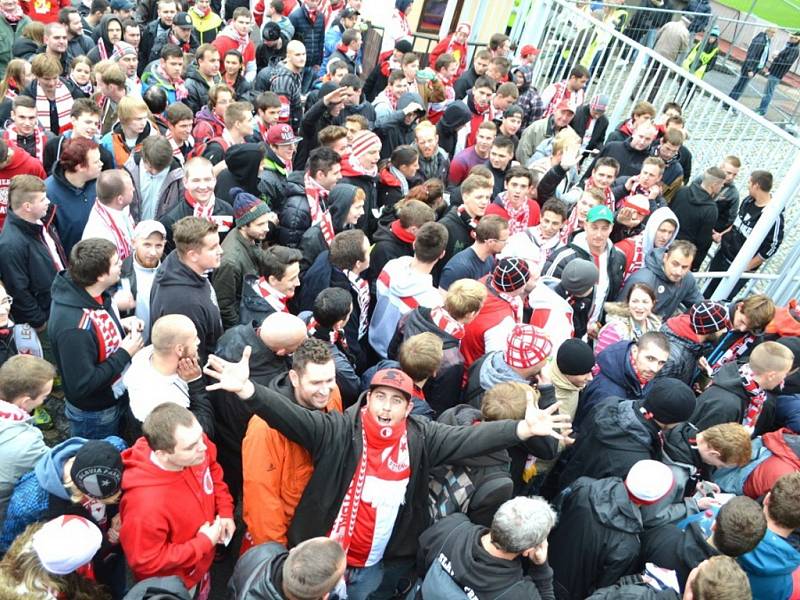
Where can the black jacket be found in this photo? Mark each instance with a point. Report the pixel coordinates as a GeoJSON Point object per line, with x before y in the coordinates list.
{"type": "Point", "coordinates": [315, 119]}
{"type": "Point", "coordinates": [253, 308]}
{"type": "Point", "coordinates": [27, 268]}
{"type": "Point", "coordinates": [456, 115]}
{"type": "Point", "coordinates": [683, 356]}
{"type": "Point", "coordinates": [368, 185]}
{"type": "Point", "coordinates": [459, 237]}
{"type": "Point", "coordinates": [465, 83]}
{"type": "Point", "coordinates": [681, 551]}
{"type": "Point", "coordinates": [87, 381]}
{"type": "Point", "coordinates": [697, 214]}
{"type": "Point", "coordinates": [581, 120]}
{"type": "Point", "coordinates": [243, 161]}
{"type": "Point", "coordinates": [727, 402]}
{"type": "Point", "coordinates": [394, 131]}
{"type": "Point", "coordinates": [197, 90]}
{"type": "Point", "coordinates": [334, 441]}
{"type": "Point", "coordinates": [311, 34]}
{"type": "Point", "coordinates": [272, 182]}
{"type": "Point", "coordinates": [472, 569]}
{"type": "Point", "coordinates": [754, 52]}
{"type": "Point", "coordinates": [614, 437]}
{"type": "Point", "coordinates": [295, 217]}
{"type": "Point", "coordinates": [784, 60]}
{"type": "Point", "coordinates": [258, 574]}
{"type": "Point", "coordinates": [313, 243]}
{"type": "Point", "coordinates": [630, 160]}
{"type": "Point", "coordinates": [634, 591]}
{"type": "Point", "coordinates": [182, 209]}
{"type": "Point", "coordinates": [178, 289]}
{"type": "Point", "coordinates": [386, 246]}
{"type": "Point", "coordinates": [596, 540]}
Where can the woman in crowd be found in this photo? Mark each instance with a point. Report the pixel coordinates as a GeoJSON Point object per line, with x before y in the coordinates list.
{"type": "Point", "coordinates": [629, 320]}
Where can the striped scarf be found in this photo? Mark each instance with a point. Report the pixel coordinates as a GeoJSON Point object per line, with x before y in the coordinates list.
{"type": "Point", "coordinates": [519, 217]}
{"type": "Point", "coordinates": [571, 226]}
{"type": "Point", "coordinates": [442, 319]}
{"type": "Point", "coordinates": [361, 287]}
{"type": "Point", "coordinates": [270, 295]}
{"type": "Point", "coordinates": [610, 201]}
{"type": "Point", "coordinates": [734, 351]}
{"type": "Point", "coordinates": [320, 214]}
{"type": "Point", "coordinates": [11, 135]}
{"type": "Point", "coordinates": [757, 397]}
{"type": "Point", "coordinates": [63, 100]}
{"type": "Point", "coordinates": [122, 232]}
{"type": "Point", "coordinates": [559, 95]}
{"type": "Point", "coordinates": [637, 261]}
{"type": "Point", "coordinates": [109, 338]}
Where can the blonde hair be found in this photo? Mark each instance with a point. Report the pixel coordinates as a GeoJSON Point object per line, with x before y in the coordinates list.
{"type": "Point", "coordinates": [771, 356]}
{"type": "Point", "coordinates": [732, 441]}
{"type": "Point", "coordinates": [564, 139]}
{"type": "Point", "coordinates": [129, 107]}
{"type": "Point", "coordinates": [421, 355]}
{"type": "Point", "coordinates": [507, 400]}
{"type": "Point", "coordinates": [44, 65]}
{"type": "Point", "coordinates": [463, 297]}
{"type": "Point", "coordinates": [15, 71]}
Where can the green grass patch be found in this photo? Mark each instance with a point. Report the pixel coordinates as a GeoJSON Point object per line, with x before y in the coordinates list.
{"type": "Point", "coordinates": [775, 11]}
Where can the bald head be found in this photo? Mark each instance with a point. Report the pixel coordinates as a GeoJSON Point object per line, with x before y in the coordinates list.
{"type": "Point", "coordinates": [283, 333]}
{"type": "Point", "coordinates": [170, 331]}
{"type": "Point", "coordinates": [295, 47]}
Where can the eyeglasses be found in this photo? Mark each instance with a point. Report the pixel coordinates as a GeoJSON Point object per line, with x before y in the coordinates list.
{"type": "Point", "coordinates": [6, 301]}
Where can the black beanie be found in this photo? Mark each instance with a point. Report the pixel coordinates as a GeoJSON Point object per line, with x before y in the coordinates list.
{"type": "Point", "coordinates": [575, 357]}
{"type": "Point", "coordinates": [669, 400]}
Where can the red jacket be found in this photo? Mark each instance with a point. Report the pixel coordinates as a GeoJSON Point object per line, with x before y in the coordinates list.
{"type": "Point", "coordinates": [498, 208]}
{"type": "Point", "coordinates": [21, 163]}
{"type": "Point", "coordinates": [44, 11]}
{"type": "Point", "coordinates": [224, 43]}
{"type": "Point", "coordinates": [785, 447]}
{"type": "Point", "coordinates": [162, 510]}
{"type": "Point", "coordinates": [492, 313]}
{"type": "Point", "coordinates": [459, 52]}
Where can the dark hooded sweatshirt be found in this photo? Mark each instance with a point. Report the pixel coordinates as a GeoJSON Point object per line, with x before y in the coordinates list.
{"type": "Point", "coordinates": [681, 551]}
{"type": "Point", "coordinates": [102, 39]}
{"type": "Point", "coordinates": [455, 116]}
{"type": "Point", "coordinates": [596, 540]}
{"type": "Point", "coordinates": [395, 131]}
{"type": "Point", "coordinates": [697, 214]}
{"type": "Point", "coordinates": [178, 289]}
{"type": "Point", "coordinates": [243, 161]}
{"type": "Point", "coordinates": [313, 242]}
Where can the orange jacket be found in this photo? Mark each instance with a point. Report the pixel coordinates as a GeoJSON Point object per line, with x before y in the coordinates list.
{"type": "Point", "coordinates": [276, 471]}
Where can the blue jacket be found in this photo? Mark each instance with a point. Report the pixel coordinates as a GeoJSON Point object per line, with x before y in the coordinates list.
{"type": "Point", "coordinates": [73, 206]}
{"type": "Point", "coordinates": [311, 34]}
{"type": "Point", "coordinates": [616, 378]}
{"type": "Point", "coordinates": [769, 567]}
{"type": "Point", "coordinates": [31, 498]}
{"type": "Point", "coordinates": [787, 412]}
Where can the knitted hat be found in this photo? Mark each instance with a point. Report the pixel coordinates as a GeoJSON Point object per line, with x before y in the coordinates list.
{"type": "Point", "coordinates": [97, 469]}
{"type": "Point", "coordinates": [637, 202]}
{"type": "Point", "coordinates": [393, 378]}
{"type": "Point", "coordinates": [510, 274]}
{"type": "Point", "coordinates": [708, 317]}
{"type": "Point", "coordinates": [649, 481]}
{"type": "Point", "coordinates": [575, 357]}
{"type": "Point", "coordinates": [123, 49]}
{"type": "Point", "coordinates": [363, 141]}
{"type": "Point", "coordinates": [403, 46]}
{"type": "Point", "coordinates": [669, 400]}
{"type": "Point", "coordinates": [599, 103]}
{"type": "Point", "coordinates": [527, 346]}
{"type": "Point", "coordinates": [66, 543]}
{"type": "Point", "coordinates": [246, 207]}
{"type": "Point", "coordinates": [579, 275]}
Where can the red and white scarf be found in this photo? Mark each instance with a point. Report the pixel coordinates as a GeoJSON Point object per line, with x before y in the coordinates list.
{"type": "Point", "coordinates": [610, 201]}
{"type": "Point", "coordinates": [515, 301]}
{"type": "Point", "coordinates": [177, 151]}
{"type": "Point", "coordinates": [241, 40]}
{"type": "Point", "coordinates": [270, 295]}
{"type": "Point", "coordinates": [734, 351]}
{"type": "Point", "coordinates": [376, 492]}
{"type": "Point", "coordinates": [12, 412]}
{"type": "Point", "coordinates": [335, 336]}
{"type": "Point", "coordinates": [756, 395]}
{"type": "Point", "coordinates": [571, 226]}
{"type": "Point", "coordinates": [63, 100]}
{"type": "Point", "coordinates": [122, 232]}
{"type": "Point", "coordinates": [178, 84]}
{"type": "Point", "coordinates": [109, 338]}
{"type": "Point", "coordinates": [637, 260]}
{"type": "Point", "coordinates": [470, 221]}
{"type": "Point", "coordinates": [560, 93]}
{"type": "Point", "coordinates": [199, 210]}
{"type": "Point", "coordinates": [361, 287]}
{"type": "Point", "coordinates": [11, 135]}
{"type": "Point", "coordinates": [442, 319]}
{"type": "Point", "coordinates": [49, 241]}
{"type": "Point", "coordinates": [12, 91]}
{"type": "Point", "coordinates": [13, 15]}
{"type": "Point", "coordinates": [320, 214]}
{"type": "Point", "coordinates": [390, 97]}
{"type": "Point", "coordinates": [518, 218]}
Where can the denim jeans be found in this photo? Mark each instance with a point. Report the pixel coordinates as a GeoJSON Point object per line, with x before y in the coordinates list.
{"type": "Point", "coordinates": [739, 87]}
{"type": "Point", "coordinates": [93, 424]}
{"type": "Point", "coordinates": [364, 581]}
{"type": "Point", "coordinates": [769, 92]}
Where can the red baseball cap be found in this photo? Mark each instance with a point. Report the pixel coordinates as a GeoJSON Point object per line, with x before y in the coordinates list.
{"type": "Point", "coordinates": [565, 105]}
{"type": "Point", "coordinates": [529, 50]}
{"type": "Point", "coordinates": [281, 135]}
{"type": "Point", "coordinates": [393, 378]}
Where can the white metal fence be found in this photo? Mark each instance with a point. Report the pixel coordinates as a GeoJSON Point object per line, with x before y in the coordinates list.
{"type": "Point", "coordinates": [718, 126]}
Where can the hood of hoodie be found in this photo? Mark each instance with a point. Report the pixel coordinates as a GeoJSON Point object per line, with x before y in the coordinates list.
{"type": "Point", "coordinates": [456, 115]}
{"type": "Point", "coordinates": [407, 99]}
{"type": "Point", "coordinates": [403, 282]}
{"type": "Point", "coordinates": [66, 293]}
{"type": "Point", "coordinates": [243, 161]}
{"type": "Point", "coordinates": [206, 114]}
{"type": "Point", "coordinates": [50, 468]}
{"type": "Point", "coordinates": [526, 75]}
{"type": "Point", "coordinates": [611, 505]}
{"type": "Point", "coordinates": [773, 556]}
{"type": "Point", "coordinates": [728, 379]}
{"type": "Point", "coordinates": [141, 471]}
{"type": "Point", "coordinates": [616, 426]}
{"type": "Point", "coordinates": [616, 366]}
{"type": "Point", "coordinates": [560, 380]}
{"type": "Point", "coordinates": [103, 29]}
{"type": "Point", "coordinates": [785, 445]}
{"type": "Point", "coordinates": [495, 370]}
{"type": "Point", "coordinates": [419, 321]}
{"type": "Point", "coordinates": [173, 272]}
{"type": "Point", "coordinates": [339, 202]}
{"type": "Point", "coordinates": [655, 263]}
{"type": "Point", "coordinates": [654, 222]}
{"type": "Point", "coordinates": [698, 196]}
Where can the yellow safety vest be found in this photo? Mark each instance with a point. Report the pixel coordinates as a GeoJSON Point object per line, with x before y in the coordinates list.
{"type": "Point", "coordinates": [705, 58]}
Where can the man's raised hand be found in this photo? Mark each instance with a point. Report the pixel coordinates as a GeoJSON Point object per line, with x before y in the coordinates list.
{"type": "Point", "coordinates": [543, 422]}
{"type": "Point", "coordinates": [231, 377]}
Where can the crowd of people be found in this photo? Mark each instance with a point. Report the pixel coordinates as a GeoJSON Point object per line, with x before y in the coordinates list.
{"type": "Point", "coordinates": [377, 332]}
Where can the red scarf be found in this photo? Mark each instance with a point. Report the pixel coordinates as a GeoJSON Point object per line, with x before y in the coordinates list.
{"type": "Point", "coordinates": [39, 138]}
{"type": "Point", "coordinates": [610, 201]}
{"type": "Point", "coordinates": [180, 88]}
{"type": "Point", "coordinates": [109, 338]}
{"type": "Point", "coordinates": [63, 100]}
{"type": "Point", "coordinates": [637, 260]}
{"type": "Point", "coordinates": [385, 461]}
{"type": "Point", "coordinates": [514, 301]}
{"type": "Point", "coordinates": [642, 382]}
{"type": "Point", "coordinates": [561, 93]}
{"type": "Point", "coordinates": [320, 214]}
{"type": "Point", "coordinates": [122, 239]}
{"type": "Point", "coordinates": [518, 218]}
{"type": "Point", "coordinates": [335, 336]}
{"type": "Point", "coordinates": [13, 15]}
{"type": "Point", "coordinates": [201, 211]}
{"type": "Point", "coordinates": [757, 397]}
{"type": "Point", "coordinates": [12, 90]}
{"type": "Point", "coordinates": [571, 226]}
{"type": "Point", "coordinates": [361, 287]}
{"type": "Point", "coordinates": [401, 233]}
{"type": "Point", "coordinates": [442, 319]}
{"type": "Point", "coordinates": [734, 351]}
{"type": "Point", "coordinates": [390, 97]}
{"type": "Point", "coordinates": [272, 296]}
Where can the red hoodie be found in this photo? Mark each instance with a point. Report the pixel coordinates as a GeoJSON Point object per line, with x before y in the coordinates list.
{"type": "Point", "coordinates": [21, 163]}
{"type": "Point", "coordinates": [162, 510]}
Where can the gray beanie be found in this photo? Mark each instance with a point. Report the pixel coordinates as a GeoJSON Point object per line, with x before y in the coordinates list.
{"type": "Point", "coordinates": [579, 276]}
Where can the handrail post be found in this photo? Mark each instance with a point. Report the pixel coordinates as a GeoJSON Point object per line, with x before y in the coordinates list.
{"type": "Point", "coordinates": [786, 191]}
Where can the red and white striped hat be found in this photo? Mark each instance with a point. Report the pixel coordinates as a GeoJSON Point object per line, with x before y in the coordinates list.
{"type": "Point", "coordinates": [527, 346]}
{"type": "Point", "coordinates": [362, 142]}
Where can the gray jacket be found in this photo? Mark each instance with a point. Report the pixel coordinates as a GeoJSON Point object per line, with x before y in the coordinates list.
{"type": "Point", "coordinates": [171, 192]}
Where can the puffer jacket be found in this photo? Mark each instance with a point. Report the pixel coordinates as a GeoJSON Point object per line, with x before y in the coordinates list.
{"type": "Point", "coordinates": [9, 33]}
{"type": "Point", "coordinates": [295, 217]}
{"type": "Point", "coordinates": [312, 242]}
{"type": "Point", "coordinates": [284, 82]}
{"type": "Point", "coordinates": [684, 349]}
{"type": "Point", "coordinates": [311, 33]}
{"type": "Point", "coordinates": [258, 573]}
{"type": "Point", "coordinates": [197, 89]}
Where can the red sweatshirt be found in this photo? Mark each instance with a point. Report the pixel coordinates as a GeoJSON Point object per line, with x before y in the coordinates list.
{"type": "Point", "coordinates": [162, 510]}
{"type": "Point", "coordinates": [21, 163]}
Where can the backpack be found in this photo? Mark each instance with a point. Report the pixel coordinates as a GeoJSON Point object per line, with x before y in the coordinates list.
{"type": "Point", "coordinates": [201, 147]}
{"type": "Point", "coordinates": [438, 582]}
{"type": "Point", "coordinates": [476, 491]}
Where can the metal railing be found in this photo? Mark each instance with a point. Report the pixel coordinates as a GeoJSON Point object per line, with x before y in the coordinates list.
{"type": "Point", "coordinates": [717, 125]}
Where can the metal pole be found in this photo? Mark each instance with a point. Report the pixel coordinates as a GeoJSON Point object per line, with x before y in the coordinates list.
{"type": "Point", "coordinates": [786, 191]}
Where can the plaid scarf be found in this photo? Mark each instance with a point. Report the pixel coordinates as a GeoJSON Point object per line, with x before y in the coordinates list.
{"type": "Point", "coordinates": [270, 295]}
{"type": "Point", "coordinates": [518, 218]}
{"type": "Point", "coordinates": [361, 287]}
{"type": "Point", "coordinates": [757, 397]}
{"type": "Point", "coordinates": [442, 319]}
{"type": "Point", "coordinates": [385, 461]}
{"type": "Point", "coordinates": [610, 201]}
{"type": "Point", "coordinates": [63, 100]}
{"type": "Point", "coordinates": [11, 135]}
{"type": "Point", "coordinates": [734, 351]}
{"type": "Point", "coordinates": [122, 239]}
{"type": "Point", "coordinates": [320, 214]}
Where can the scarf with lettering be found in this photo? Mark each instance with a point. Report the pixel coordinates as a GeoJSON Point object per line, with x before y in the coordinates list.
{"type": "Point", "coordinates": [384, 466]}
{"type": "Point", "coordinates": [39, 138]}
{"type": "Point", "coordinates": [109, 338]}
{"type": "Point", "coordinates": [737, 349]}
{"type": "Point", "coordinates": [361, 287]}
{"type": "Point", "coordinates": [63, 100]}
{"type": "Point", "coordinates": [178, 84]}
{"type": "Point", "coordinates": [270, 295]}
{"type": "Point", "coordinates": [756, 395]}
{"type": "Point", "coordinates": [571, 226]}
{"type": "Point", "coordinates": [518, 217]}
{"type": "Point", "coordinates": [122, 237]}
{"type": "Point", "coordinates": [610, 201]}
{"type": "Point", "coordinates": [442, 319]}
{"type": "Point", "coordinates": [637, 261]}
{"type": "Point", "coordinates": [320, 213]}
